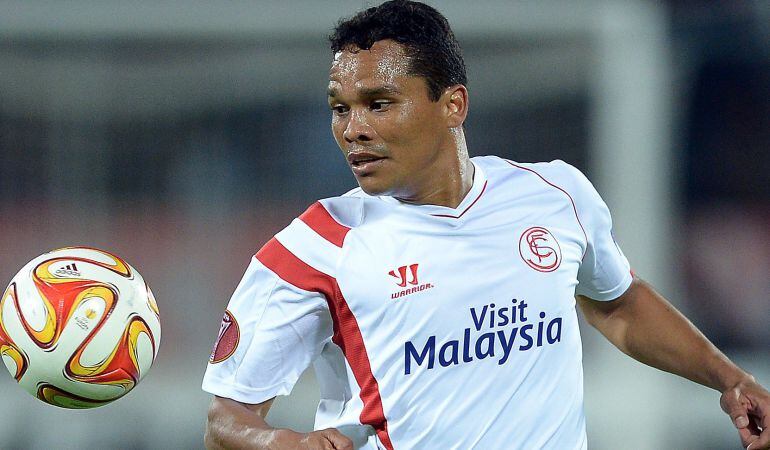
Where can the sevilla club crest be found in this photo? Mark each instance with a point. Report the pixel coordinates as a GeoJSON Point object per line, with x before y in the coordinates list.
{"type": "Point", "coordinates": [539, 249]}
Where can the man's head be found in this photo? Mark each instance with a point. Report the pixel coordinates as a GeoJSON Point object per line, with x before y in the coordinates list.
{"type": "Point", "coordinates": [397, 92]}
{"type": "Point", "coordinates": [431, 48]}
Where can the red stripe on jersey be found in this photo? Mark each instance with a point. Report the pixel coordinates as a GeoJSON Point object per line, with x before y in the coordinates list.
{"type": "Point", "coordinates": [319, 219]}
{"type": "Point", "coordinates": [483, 188]}
{"type": "Point", "coordinates": [574, 208]}
{"type": "Point", "coordinates": [293, 270]}
{"type": "Point", "coordinates": [347, 334]}
{"type": "Point", "coordinates": [348, 337]}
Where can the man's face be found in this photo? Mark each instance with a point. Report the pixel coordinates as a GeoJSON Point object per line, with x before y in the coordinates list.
{"type": "Point", "coordinates": [388, 129]}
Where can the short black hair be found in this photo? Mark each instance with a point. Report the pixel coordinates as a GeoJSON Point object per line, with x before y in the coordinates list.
{"type": "Point", "coordinates": [430, 44]}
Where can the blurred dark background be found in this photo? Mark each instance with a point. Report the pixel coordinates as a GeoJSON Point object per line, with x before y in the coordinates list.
{"type": "Point", "coordinates": [182, 135]}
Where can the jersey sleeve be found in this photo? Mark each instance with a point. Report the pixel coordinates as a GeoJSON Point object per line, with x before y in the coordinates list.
{"type": "Point", "coordinates": [278, 320]}
{"type": "Point", "coordinates": [270, 334]}
{"type": "Point", "coordinates": [604, 273]}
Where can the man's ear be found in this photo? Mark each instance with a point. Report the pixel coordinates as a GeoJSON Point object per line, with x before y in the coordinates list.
{"type": "Point", "coordinates": [455, 99]}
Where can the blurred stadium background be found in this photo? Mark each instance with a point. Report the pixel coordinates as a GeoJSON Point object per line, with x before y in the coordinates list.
{"type": "Point", "coordinates": [183, 134]}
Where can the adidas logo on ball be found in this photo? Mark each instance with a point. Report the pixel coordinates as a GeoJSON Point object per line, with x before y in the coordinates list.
{"type": "Point", "coordinates": [70, 269]}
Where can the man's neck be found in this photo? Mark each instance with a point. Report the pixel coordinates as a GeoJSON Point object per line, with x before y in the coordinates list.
{"type": "Point", "coordinates": [448, 185]}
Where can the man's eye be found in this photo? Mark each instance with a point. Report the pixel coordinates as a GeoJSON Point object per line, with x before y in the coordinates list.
{"type": "Point", "coordinates": [379, 105]}
{"type": "Point", "coordinates": [339, 109]}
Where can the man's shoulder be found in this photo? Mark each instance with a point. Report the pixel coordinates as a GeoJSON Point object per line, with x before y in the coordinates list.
{"type": "Point", "coordinates": [353, 207]}
{"type": "Point", "coordinates": [554, 173]}
{"type": "Point", "coordinates": [345, 209]}
{"type": "Point", "coordinates": [334, 214]}
{"type": "Point", "coordinates": [311, 244]}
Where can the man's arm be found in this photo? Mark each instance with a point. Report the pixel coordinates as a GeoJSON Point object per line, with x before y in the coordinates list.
{"type": "Point", "coordinates": [233, 425]}
{"type": "Point", "coordinates": [645, 326]}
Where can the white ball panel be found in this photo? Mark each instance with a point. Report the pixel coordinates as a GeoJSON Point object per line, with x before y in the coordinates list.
{"type": "Point", "coordinates": [144, 354]}
{"type": "Point", "coordinates": [31, 303]}
{"type": "Point", "coordinates": [81, 326]}
{"type": "Point", "coordinates": [10, 364]}
{"type": "Point", "coordinates": [105, 341]}
{"type": "Point", "coordinates": [13, 326]}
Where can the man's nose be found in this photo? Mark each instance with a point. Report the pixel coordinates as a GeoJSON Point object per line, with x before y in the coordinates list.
{"type": "Point", "coordinates": [358, 128]}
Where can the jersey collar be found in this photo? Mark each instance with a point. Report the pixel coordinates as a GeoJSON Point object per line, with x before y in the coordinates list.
{"type": "Point", "coordinates": [473, 195]}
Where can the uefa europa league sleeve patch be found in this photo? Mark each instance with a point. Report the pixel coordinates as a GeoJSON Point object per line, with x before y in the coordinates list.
{"type": "Point", "coordinates": [227, 339]}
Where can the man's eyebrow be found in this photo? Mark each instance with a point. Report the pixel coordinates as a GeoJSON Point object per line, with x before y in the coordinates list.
{"type": "Point", "coordinates": [387, 89]}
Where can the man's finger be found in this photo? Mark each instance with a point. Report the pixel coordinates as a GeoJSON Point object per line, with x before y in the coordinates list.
{"type": "Point", "coordinates": [762, 442]}
{"type": "Point", "coordinates": [760, 412]}
{"type": "Point", "coordinates": [747, 436]}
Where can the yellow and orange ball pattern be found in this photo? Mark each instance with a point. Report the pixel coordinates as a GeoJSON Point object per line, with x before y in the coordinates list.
{"type": "Point", "coordinates": [79, 327]}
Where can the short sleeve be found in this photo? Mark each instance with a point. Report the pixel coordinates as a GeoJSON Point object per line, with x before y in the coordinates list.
{"type": "Point", "coordinates": [604, 273]}
{"type": "Point", "coordinates": [270, 334]}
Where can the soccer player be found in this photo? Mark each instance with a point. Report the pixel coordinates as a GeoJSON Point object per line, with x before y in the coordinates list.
{"type": "Point", "coordinates": [437, 301]}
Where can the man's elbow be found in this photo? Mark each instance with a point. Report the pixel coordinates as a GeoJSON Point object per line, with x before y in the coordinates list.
{"type": "Point", "coordinates": [208, 440]}
{"type": "Point", "coordinates": [595, 312]}
{"type": "Point", "coordinates": [212, 437]}
{"type": "Point", "coordinates": [231, 424]}
{"type": "Point", "coordinates": [609, 318]}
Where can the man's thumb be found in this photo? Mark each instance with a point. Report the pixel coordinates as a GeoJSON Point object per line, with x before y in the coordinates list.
{"type": "Point", "coordinates": [339, 440]}
{"type": "Point", "coordinates": [731, 404]}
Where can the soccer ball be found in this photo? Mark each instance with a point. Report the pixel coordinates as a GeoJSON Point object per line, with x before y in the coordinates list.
{"type": "Point", "coordinates": [79, 327]}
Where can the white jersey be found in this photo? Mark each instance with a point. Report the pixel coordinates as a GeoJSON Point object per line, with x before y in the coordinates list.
{"type": "Point", "coordinates": [431, 327]}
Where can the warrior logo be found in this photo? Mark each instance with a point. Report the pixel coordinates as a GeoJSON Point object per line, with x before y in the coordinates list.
{"type": "Point", "coordinates": [401, 276]}
{"type": "Point", "coordinates": [227, 340]}
{"type": "Point", "coordinates": [539, 249]}
{"type": "Point", "coordinates": [404, 279]}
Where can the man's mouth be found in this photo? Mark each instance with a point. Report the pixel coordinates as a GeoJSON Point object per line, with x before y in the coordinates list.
{"type": "Point", "coordinates": [364, 162]}
{"type": "Point", "coordinates": [359, 158]}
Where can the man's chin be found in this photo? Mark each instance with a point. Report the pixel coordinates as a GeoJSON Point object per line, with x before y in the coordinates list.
{"type": "Point", "coordinates": [371, 187]}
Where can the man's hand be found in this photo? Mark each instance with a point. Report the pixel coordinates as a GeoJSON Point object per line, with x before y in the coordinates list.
{"type": "Point", "coordinates": [748, 405]}
{"type": "Point", "coordinates": [328, 439]}
{"type": "Point", "coordinates": [234, 425]}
